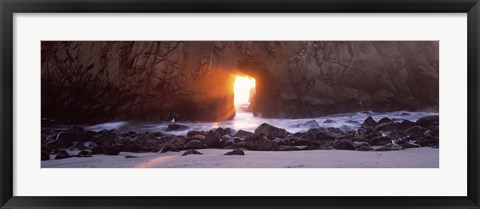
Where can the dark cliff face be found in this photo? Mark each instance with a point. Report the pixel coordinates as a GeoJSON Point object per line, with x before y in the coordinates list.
{"type": "Point", "coordinates": [100, 81]}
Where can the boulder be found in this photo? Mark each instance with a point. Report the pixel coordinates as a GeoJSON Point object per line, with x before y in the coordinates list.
{"type": "Point", "coordinates": [350, 136]}
{"type": "Point", "coordinates": [222, 131]}
{"type": "Point", "coordinates": [294, 136]}
{"type": "Point", "coordinates": [198, 137]}
{"type": "Point", "coordinates": [325, 135]}
{"type": "Point", "coordinates": [334, 130]}
{"type": "Point", "coordinates": [408, 145]}
{"type": "Point", "coordinates": [415, 131]}
{"type": "Point", "coordinates": [236, 140]}
{"type": "Point", "coordinates": [228, 145]}
{"type": "Point", "coordinates": [396, 135]}
{"type": "Point", "coordinates": [112, 150]}
{"type": "Point", "coordinates": [132, 134]}
{"type": "Point", "coordinates": [329, 121]}
{"type": "Point", "coordinates": [271, 131]}
{"type": "Point", "coordinates": [213, 140]}
{"type": "Point", "coordinates": [254, 138]}
{"type": "Point", "coordinates": [263, 144]}
{"type": "Point", "coordinates": [107, 139]}
{"type": "Point", "coordinates": [368, 132]}
{"type": "Point", "coordinates": [427, 133]}
{"type": "Point", "coordinates": [309, 136]}
{"type": "Point", "coordinates": [62, 155]}
{"type": "Point", "coordinates": [343, 145]}
{"type": "Point", "coordinates": [226, 138]}
{"type": "Point", "coordinates": [98, 150]}
{"type": "Point", "coordinates": [405, 124]}
{"type": "Point", "coordinates": [369, 122]}
{"type": "Point", "coordinates": [358, 144]}
{"type": "Point", "coordinates": [427, 141]}
{"type": "Point", "coordinates": [299, 142]}
{"type": "Point", "coordinates": [385, 120]}
{"type": "Point", "coordinates": [258, 142]}
{"type": "Point", "coordinates": [426, 121]}
{"type": "Point", "coordinates": [243, 134]}
{"type": "Point", "coordinates": [314, 131]}
{"type": "Point", "coordinates": [66, 139]}
{"type": "Point", "coordinates": [380, 140]}
{"type": "Point", "coordinates": [195, 144]}
{"type": "Point", "coordinates": [386, 126]}
{"type": "Point", "coordinates": [235, 152]}
{"type": "Point", "coordinates": [230, 131]}
{"type": "Point", "coordinates": [191, 152]}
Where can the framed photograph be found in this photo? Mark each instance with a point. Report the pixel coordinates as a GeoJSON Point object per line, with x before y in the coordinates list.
{"type": "Point", "coordinates": [263, 104]}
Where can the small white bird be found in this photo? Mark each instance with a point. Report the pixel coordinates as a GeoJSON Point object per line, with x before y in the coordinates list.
{"type": "Point", "coordinates": [173, 120]}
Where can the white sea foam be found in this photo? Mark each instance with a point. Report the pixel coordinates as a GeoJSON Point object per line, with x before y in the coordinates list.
{"type": "Point", "coordinates": [246, 121]}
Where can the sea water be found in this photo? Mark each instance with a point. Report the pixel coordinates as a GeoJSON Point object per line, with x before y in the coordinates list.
{"type": "Point", "coordinates": [247, 121]}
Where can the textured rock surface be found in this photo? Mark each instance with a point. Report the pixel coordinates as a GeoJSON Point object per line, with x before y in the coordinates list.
{"type": "Point", "coordinates": [100, 81]}
{"type": "Point", "coordinates": [363, 139]}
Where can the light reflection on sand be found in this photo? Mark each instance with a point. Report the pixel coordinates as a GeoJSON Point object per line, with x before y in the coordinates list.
{"type": "Point", "coordinates": [155, 162]}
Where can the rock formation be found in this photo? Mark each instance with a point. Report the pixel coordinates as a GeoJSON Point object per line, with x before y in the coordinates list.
{"type": "Point", "coordinates": [401, 135]}
{"type": "Point", "coordinates": [94, 81]}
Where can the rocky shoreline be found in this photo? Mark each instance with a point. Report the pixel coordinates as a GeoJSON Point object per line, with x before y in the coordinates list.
{"type": "Point", "coordinates": [381, 135]}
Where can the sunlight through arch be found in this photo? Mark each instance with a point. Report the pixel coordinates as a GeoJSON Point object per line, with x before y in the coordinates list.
{"type": "Point", "coordinates": [244, 88]}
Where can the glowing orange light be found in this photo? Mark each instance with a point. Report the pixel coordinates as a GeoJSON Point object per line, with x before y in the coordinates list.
{"type": "Point", "coordinates": [155, 162]}
{"type": "Point", "coordinates": [243, 88]}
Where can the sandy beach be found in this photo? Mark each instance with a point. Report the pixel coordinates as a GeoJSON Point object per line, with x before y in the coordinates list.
{"type": "Point", "coordinates": [425, 157]}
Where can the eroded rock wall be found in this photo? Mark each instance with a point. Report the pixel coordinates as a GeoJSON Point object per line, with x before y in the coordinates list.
{"type": "Point", "coordinates": [96, 81]}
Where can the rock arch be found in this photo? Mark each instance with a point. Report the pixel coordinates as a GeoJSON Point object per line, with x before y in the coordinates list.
{"type": "Point", "coordinates": [262, 100]}
{"type": "Point", "coordinates": [192, 80]}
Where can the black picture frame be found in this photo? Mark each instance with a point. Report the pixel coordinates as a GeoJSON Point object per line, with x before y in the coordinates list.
{"type": "Point", "coordinates": [9, 7]}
